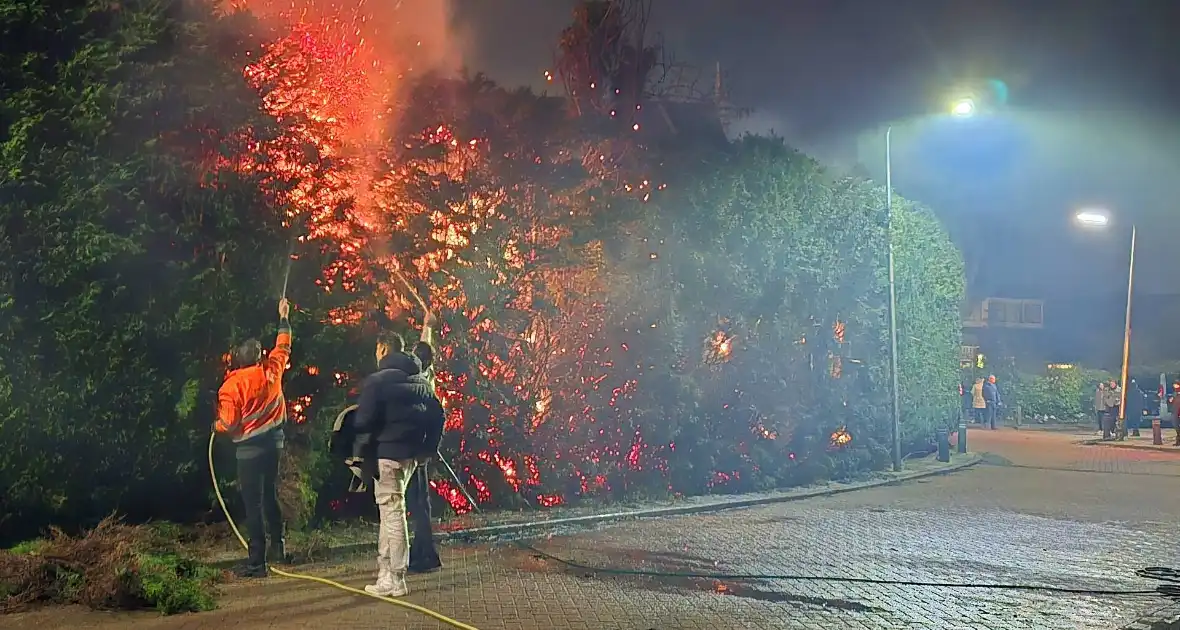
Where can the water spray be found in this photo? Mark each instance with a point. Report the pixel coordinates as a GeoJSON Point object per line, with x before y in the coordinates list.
{"type": "Point", "coordinates": [410, 287]}
{"type": "Point", "coordinates": [287, 269]}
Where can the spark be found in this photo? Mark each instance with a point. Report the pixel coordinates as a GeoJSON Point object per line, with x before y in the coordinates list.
{"type": "Point", "coordinates": [718, 348]}
{"type": "Point", "coordinates": [336, 174]}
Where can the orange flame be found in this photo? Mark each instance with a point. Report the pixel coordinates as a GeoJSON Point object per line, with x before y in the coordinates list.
{"type": "Point", "coordinates": [719, 348]}
{"type": "Point", "coordinates": [840, 438]}
{"type": "Point", "coordinates": [334, 84]}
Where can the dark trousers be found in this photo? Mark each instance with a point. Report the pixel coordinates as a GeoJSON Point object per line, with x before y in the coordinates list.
{"type": "Point", "coordinates": [989, 415]}
{"type": "Point", "coordinates": [258, 478]}
{"type": "Point", "coordinates": [1110, 422]}
{"type": "Point", "coordinates": [423, 555]}
{"type": "Point", "coordinates": [1133, 418]}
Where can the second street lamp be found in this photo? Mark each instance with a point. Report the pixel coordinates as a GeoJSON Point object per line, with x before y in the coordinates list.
{"type": "Point", "coordinates": [1095, 218]}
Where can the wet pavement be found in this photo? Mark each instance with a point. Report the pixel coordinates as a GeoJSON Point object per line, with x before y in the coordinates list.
{"type": "Point", "coordinates": [1043, 509]}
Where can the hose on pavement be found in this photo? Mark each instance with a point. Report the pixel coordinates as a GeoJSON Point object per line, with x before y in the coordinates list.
{"type": "Point", "coordinates": [319, 580]}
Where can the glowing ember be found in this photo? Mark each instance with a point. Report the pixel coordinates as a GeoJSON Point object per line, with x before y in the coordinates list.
{"type": "Point", "coordinates": [840, 438]}
{"type": "Point", "coordinates": [550, 500]}
{"type": "Point", "coordinates": [297, 409]}
{"type": "Point", "coordinates": [718, 348]}
{"type": "Point", "coordinates": [337, 87]}
{"type": "Point", "coordinates": [721, 478]}
{"type": "Point", "coordinates": [452, 495]}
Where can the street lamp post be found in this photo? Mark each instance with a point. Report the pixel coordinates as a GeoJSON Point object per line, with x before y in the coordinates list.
{"type": "Point", "coordinates": [1099, 219]}
{"type": "Point", "coordinates": [1122, 426]}
{"type": "Point", "coordinates": [962, 108]}
{"type": "Point", "coordinates": [892, 301]}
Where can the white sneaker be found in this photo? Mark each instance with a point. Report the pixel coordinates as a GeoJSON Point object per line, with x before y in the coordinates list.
{"type": "Point", "coordinates": [388, 588]}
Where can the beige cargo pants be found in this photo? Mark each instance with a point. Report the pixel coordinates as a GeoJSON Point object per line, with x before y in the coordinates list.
{"type": "Point", "coordinates": [393, 538]}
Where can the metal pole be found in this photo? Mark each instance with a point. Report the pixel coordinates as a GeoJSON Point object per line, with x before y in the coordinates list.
{"type": "Point", "coordinates": [892, 300]}
{"type": "Point", "coordinates": [1122, 423]}
{"type": "Point", "coordinates": [1157, 432]}
{"type": "Point", "coordinates": [462, 488]}
{"type": "Point", "coordinates": [962, 432]}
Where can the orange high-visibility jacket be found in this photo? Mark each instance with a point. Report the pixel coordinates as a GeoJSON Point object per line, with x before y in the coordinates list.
{"type": "Point", "coordinates": [250, 402]}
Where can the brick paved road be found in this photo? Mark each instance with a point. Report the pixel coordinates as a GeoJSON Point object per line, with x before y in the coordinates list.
{"type": "Point", "coordinates": [1041, 510]}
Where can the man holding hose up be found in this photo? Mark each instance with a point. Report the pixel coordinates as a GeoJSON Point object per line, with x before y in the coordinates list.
{"type": "Point", "coordinates": [251, 410]}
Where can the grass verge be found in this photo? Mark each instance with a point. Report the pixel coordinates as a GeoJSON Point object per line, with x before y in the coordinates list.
{"type": "Point", "coordinates": [111, 567]}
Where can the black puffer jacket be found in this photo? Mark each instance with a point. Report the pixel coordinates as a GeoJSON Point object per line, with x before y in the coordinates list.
{"type": "Point", "coordinates": [394, 416]}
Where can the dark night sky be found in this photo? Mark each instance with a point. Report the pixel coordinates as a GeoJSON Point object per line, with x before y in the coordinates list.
{"type": "Point", "coordinates": [1093, 95]}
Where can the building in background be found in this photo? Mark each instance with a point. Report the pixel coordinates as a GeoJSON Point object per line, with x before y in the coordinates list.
{"type": "Point", "coordinates": [1083, 331]}
{"type": "Point", "coordinates": [1006, 331]}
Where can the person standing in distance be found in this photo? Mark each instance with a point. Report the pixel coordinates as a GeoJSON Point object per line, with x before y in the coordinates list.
{"type": "Point", "coordinates": [1114, 396]}
{"type": "Point", "coordinates": [251, 410]}
{"type": "Point", "coordinates": [978, 401]}
{"type": "Point", "coordinates": [423, 554]}
{"type": "Point", "coordinates": [1100, 404]}
{"type": "Point", "coordinates": [1136, 403]}
{"type": "Point", "coordinates": [390, 428]}
{"type": "Point", "coordinates": [992, 402]}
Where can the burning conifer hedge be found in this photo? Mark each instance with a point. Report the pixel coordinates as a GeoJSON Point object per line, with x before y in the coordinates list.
{"type": "Point", "coordinates": [631, 305]}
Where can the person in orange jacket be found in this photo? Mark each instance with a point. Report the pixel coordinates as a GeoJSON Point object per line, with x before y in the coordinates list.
{"type": "Point", "coordinates": [251, 410]}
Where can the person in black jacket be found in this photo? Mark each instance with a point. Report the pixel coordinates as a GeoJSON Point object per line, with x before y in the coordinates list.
{"type": "Point", "coordinates": [991, 399]}
{"type": "Point", "coordinates": [1136, 403]}
{"type": "Point", "coordinates": [397, 423]}
{"type": "Point", "coordinates": [423, 554]}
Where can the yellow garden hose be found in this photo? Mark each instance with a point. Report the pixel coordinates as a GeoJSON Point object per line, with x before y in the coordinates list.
{"type": "Point", "coordinates": [311, 578]}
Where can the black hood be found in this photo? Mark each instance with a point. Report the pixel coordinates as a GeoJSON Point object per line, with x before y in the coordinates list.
{"type": "Point", "coordinates": [401, 361]}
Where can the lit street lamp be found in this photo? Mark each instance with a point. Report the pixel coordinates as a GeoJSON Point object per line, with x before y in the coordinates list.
{"type": "Point", "coordinates": [962, 108]}
{"type": "Point", "coordinates": [1094, 218]}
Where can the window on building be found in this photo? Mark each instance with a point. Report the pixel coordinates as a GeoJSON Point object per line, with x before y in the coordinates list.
{"type": "Point", "coordinates": [975, 316]}
{"type": "Point", "coordinates": [1033, 313]}
{"type": "Point", "coordinates": [1003, 312]}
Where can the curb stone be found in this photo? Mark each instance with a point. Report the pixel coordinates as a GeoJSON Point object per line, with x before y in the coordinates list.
{"type": "Point", "coordinates": [1051, 428]}
{"type": "Point", "coordinates": [1139, 447]}
{"type": "Point", "coordinates": [518, 529]}
{"type": "Point", "coordinates": [1166, 618]}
